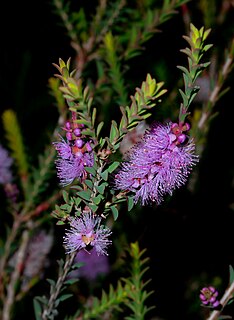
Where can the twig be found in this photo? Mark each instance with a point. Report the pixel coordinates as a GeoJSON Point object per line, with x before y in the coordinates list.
{"type": "Point", "coordinates": [110, 22]}
{"type": "Point", "coordinates": [215, 93]}
{"type": "Point", "coordinates": [62, 277]}
{"type": "Point", "coordinates": [224, 300]}
{"type": "Point", "coordinates": [4, 258]}
{"type": "Point", "coordinates": [15, 276]}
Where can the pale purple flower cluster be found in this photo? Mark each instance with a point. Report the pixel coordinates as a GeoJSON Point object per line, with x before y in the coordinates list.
{"type": "Point", "coordinates": [86, 232]}
{"type": "Point", "coordinates": [74, 154]}
{"type": "Point", "coordinates": [94, 265]}
{"type": "Point", "coordinates": [5, 164]}
{"type": "Point", "coordinates": [158, 164]}
{"type": "Point", "coordinates": [37, 252]}
{"type": "Point", "coordinates": [208, 296]}
{"type": "Point", "coordinates": [36, 257]}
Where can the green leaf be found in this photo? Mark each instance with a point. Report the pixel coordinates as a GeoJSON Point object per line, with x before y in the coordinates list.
{"type": "Point", "coordinates": [186, 72]}
{"type": "Point", "coordinates": [93, 207]}
{"type": "Point", "coordinates": [207, 47]}
{"type": "Point", "coordinates": [91, 170]}
{"type": "Point", "coordinates": [184, 97]}
{"type": "Point", "coordinates": [104, 175]}
{"type": "Point", "coordinates": [231, 274]}
{"type": "Point", "coordinates": [130, 203]}
{"type": "Point", "coordinates": [37, 309]}
{"type": "Point", "coordinates": [65, 196]}
{"type": "Point", "coordinates": [60, 223]}
{"type": "Point", "coordinates": [98, 199]}
{"type": "Point", "coordinates": [89, 184]}
{"type": "Point", "coordinates": [115, 212]}
{"type": "Point", "coordinates": [84, 194]}
{"type": "Point", "coordinates": [114, 132]}
{"type": "Point", "coordinates": [101, 187]}
{"type": "Point", "coordinates": [94, 116]}
{"type": "Point", "coordinates": [113, 166]}
{"type": "Point", "coordinates": [65, 297]}
{"type": "Point", "coordinates": [77, 265]}
{"type": "Point", "coordinates": [99, 128]}
{"type": "Point", "coordinates": [42, 300]}
{"type": "Point", "coordinates": [77, 201]}
{"type": "Point", "coordinates": [66, 207]}
{"type": "Point", "coordinates": [71, 281]}
{"type": "Point", "coordinates": [51, 282]}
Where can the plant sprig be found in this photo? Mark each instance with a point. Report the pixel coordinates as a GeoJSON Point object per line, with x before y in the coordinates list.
{"type": "Point", "coordinates": [198, 47]}
{"type": "Point", "coordinates": [144, 99]}
{"type": "Point", "coordinates": [130, 292]}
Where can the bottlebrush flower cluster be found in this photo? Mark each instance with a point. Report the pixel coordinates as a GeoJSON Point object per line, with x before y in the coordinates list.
{"type": "Point", "coordinates": [87, 232]}
{"type": "Point", "coordinates": [158, 164]}
{"type": "Point", "coordinates": [208, 296]}
{"type": "Point", "coordinates": [94, 265]}
{"type": "Point", "coordinates": [74, 154]}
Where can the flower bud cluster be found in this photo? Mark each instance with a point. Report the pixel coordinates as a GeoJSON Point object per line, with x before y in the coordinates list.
{"type": "Point", "coordinates": [78, 141]}
{"type": "Point", "coordinates": [208, 296]}
{"type": "Point", "coordinates": [74, 154]}
{"type": "Point", "coordinates": [179, 132]}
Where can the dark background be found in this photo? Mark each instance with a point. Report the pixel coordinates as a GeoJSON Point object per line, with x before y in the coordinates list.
{"type": "Point", "coordinates": [190, 237]}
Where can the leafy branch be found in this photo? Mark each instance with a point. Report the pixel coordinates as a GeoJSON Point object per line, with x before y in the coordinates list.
{"type": "Point", "coordinates": [202, 117]}
{"type": "Point", "coordinates": [136, 286]}
{"type": "Point", "coordinates": [144, 25]}
{"type": "Point", "coordinates": [196, 40]}
{"type": "Point", "coordinates": [143, 101]}
{"type": "Point", "coordinates": [108, 302]}
{"type": "Point", "coordinates": [78, 99]}
{"type": "Point", "coordinates": [49, 310]}
{"type": "Point", "coordinates": [130, 292]}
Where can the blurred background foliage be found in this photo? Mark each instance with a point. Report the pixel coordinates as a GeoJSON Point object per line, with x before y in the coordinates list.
{"type": "Point", "coordinates": [189, 238]}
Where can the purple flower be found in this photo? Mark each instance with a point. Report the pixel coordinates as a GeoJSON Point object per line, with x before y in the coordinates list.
{"type": "Point", "coordinates": [72, 160]}
{"type": "Point", "coordinates": [5, 163]}
{"type": "Point", "coordinates": [208, 296]}
{"type": "Point", "coordinates": [36, 258]}
{"type": "Point", "coordinates": [94, 265]}
{"type": "Point", "coordinates": [86, 231]}
{"type": "Point", "coordinates": [37, 252]}
{"type": "Point", "coordinates": [158, 164]}
{"type": "Point", "coordinates": [63, 148]}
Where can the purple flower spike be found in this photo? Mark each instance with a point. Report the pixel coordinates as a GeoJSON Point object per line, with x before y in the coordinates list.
{"type": "Point", "coordinates": [5, 164]}
{"type": "Point", "coordinates": [70, 169]}
{"type": "Point", "coordinates": [72, 160]}
{"type": "Point", "coordinates": [157, 165]}
{"type": "Point", "coordinates": [63, 148]}
{"type": "Point", "coordinates": [208, 296]}
{"type": "Point", "coordinates": [87, 231]}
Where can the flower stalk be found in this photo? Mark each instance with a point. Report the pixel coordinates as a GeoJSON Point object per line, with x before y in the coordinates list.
{"type": "Point", "coordinates": [50, 308]}
{"type": "Point", "coordinates": [223, 301]}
